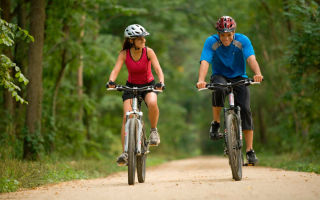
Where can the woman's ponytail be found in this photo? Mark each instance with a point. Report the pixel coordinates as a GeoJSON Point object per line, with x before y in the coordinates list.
{"type": "Point", "coordinates": [126, 44]}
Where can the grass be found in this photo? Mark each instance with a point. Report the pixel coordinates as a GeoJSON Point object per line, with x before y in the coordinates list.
{"type": "Point", "coordinates": [291, 161]}
{"type": "Point", "coordinates": [17, 174]}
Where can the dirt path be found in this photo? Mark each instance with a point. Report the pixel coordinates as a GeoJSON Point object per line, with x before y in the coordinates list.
{"type": "Point", "coordinates": [197, 178]}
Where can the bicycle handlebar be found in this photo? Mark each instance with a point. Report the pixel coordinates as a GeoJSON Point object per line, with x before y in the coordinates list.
{"type": "Point", "coordinates": [212, 86]}
{"type": "Point", "coordinates": [134, 89]}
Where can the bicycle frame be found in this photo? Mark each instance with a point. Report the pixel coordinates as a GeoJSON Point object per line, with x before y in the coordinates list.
{"type": "Point", "coordinates": [236, 110]}
{"type": "Point", "coordinates": [137, 114]}
{"type": "Point", "coordinates": [232, 107]}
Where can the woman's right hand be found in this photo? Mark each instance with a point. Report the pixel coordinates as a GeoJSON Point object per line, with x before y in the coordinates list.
{"type": "Point", "coordinates": [111, 84]}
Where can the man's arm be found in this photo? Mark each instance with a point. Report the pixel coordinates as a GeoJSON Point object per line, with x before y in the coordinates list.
{"type": "Point", "coordinates": [203, 70]}
{"type": "Point", "coordinates": [255, 68]}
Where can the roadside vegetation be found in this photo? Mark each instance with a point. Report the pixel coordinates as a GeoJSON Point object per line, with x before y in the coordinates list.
{"type": "Point", "coordinates": [57, 122]}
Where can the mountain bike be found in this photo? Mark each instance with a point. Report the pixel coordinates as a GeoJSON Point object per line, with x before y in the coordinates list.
{"type": "Point", "coordinates": [136, 144]}
{"type": "Point", "coordinates": [232, 123]}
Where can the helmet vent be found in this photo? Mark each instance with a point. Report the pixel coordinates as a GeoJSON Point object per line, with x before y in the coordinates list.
{"type": "Point", "coordinates": [226, 24]}
{"type": "Point", "coordinates": [135, 30]}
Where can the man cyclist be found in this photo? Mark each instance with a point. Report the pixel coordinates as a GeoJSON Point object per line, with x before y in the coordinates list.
{"type": "Point", "coordinates": [228, 53]}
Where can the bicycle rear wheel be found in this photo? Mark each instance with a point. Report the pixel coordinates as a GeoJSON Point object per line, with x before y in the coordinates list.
{"type": "Point", "coordinates": [141, 159]}
{"type": "Point", "coordinates": [233, 145]}
{"type": "Point", "coordinates": [133, 127]}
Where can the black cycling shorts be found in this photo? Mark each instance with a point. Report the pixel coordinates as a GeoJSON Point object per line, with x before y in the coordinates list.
{"type": "Point", "coordinates": [129, 95]}
{"type": "Point", "coordinates": [241, 99]}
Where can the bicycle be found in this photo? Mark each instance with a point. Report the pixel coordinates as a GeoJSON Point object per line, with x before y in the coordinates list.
{"type": "Point", "coordinates": [232, 123]}
{"type": "Point", "coordinates": [135, 142]}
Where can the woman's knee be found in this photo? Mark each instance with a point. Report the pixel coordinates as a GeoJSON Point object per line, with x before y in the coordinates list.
{"type": "Point", "coordinates": [152, 103]}
{"type": "Point", "coordinates": [151, 100]}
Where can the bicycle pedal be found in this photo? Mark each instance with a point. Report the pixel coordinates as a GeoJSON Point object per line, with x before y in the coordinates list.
{"type": "Point", "coordinates": [248, 164]}
{"type": "Point", "coordinates": [122, 164]}
{"type": "Point", "coordinates": [217, 137]}
{"type": "Point", "coordinates": [225, 152]}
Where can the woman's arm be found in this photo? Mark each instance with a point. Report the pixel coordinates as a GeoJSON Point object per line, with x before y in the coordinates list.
{"type": "Point", "coordinates": [118, 66]}
{"type": "Point", "coordinates": [156, 66]}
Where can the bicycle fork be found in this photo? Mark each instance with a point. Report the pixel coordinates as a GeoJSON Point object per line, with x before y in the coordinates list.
{"type": "Point", "coordinates": [139, 124]}
{"type": "Point", "coordinates": [237, 110]}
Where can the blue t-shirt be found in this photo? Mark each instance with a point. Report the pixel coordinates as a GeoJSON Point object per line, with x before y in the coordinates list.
{"type": "Point", "coordinates": [228, 61]}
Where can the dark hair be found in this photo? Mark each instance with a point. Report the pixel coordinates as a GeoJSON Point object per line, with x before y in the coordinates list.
{"type": "Point", "coordinates": [126, 44]}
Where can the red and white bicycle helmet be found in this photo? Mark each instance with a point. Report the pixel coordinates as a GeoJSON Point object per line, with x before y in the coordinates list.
{"type": "Point", "coordinates": [135, 30]}
{"type": "Point", "coordinates": [226, 24]}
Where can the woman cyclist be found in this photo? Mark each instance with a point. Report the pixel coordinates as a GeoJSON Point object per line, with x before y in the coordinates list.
{"type": "Point", "coordinates": [138, 59]}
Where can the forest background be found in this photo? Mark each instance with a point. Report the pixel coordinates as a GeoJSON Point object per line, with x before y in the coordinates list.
{"type": "Point", "coordinates": [57, 122]}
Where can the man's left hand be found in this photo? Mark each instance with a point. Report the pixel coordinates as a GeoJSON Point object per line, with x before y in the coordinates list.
{"type": "Point", "coordinates": [258, 78]}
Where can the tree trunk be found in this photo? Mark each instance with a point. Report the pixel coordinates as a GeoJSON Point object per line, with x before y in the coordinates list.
{"type": "Point", "coordinates": [34, 90]}
{"type": "Point", "coordinates": [286, 9]}
{"type": "Point", "coordinates": [80, 71]}
{"type": "Point", "coordinates": [270, 14]}
{"type": "Point", "coordinates": [65, 30]}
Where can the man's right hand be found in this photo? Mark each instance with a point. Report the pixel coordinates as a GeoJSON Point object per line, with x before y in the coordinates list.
{"type": "Point", "coordinates": [201, 84]}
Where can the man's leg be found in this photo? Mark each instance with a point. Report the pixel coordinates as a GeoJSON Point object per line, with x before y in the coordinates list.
{"type": "Point", "coordinates": [248, 136]}
{"type": "Point", "coordinates": [218, 97]}
{"type": "Point", "coordinates": [216, 113]}
{"type": "Point", "coordinates": [242, 99]}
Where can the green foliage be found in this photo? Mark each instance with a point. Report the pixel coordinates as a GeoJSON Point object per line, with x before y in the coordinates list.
{"type": "Point", "coordinates": [34, 141]}
{"type": "Point", "coordinates": [9, 32]}
{"type": "Point", "coordinates": [285, 36]}
{"type": "Point", "coordinates": [15, 174]}
{"type": "Point", "coordinates": [6, 79]}
{"type": "Point", "coordinates": [303, 53]}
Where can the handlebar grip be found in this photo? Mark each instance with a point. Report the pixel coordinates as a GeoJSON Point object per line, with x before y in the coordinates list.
{"type": "Point", "coordinates": [202, 89]}
{"type": "Point", "coordinates": [255, 83]}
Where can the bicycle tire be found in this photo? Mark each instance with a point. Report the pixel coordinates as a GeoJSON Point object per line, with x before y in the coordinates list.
{"type": "Point", "coordinates": [131, 151]}
{"type": "Point", "coordinates": [234, 152]}
{"type": "Point", "coordinates": [141, 160]}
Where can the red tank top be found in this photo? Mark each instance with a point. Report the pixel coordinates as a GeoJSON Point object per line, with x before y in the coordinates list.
{"type": "Point", "coordinates": [139, 71]}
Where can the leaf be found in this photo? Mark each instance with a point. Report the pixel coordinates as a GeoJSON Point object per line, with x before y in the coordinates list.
{"type": "Point", "coordinates": [18, 74]}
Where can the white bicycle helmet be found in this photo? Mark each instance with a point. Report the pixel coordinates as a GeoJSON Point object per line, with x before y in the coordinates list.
{"type": "Point", "coordinates": [135, 30]}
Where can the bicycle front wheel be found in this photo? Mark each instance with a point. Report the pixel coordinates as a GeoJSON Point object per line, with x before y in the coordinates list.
{"type": "Point", "coordinates": [233, 145]}
{"type": "Point", "coordinates": [141, 159]}
{"type": "Point", "coordinates": [133, 128]}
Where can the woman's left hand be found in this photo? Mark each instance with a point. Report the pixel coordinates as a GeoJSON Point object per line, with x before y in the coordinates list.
{"type": "Point", "coordinates": [159, 86]}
